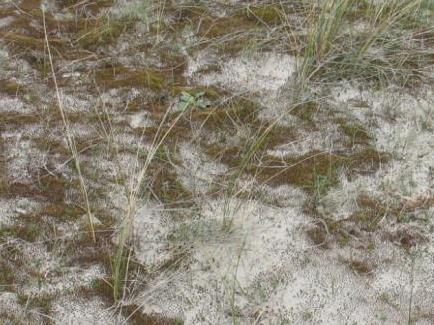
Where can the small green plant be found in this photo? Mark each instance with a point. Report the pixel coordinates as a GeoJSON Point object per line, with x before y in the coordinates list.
{"type": "Point", "coordinates": [188, 100]}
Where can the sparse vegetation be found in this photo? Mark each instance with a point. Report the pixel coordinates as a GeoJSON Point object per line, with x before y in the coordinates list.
{"type": "Point", "coordinates": [191, 162]}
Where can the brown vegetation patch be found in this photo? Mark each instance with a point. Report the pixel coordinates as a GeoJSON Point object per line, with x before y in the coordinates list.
{"type": "Point", "coordinates": [270, 14]}
{"type": "Point", "coordinates": [82, 250]}
{"type": "Point", "coordinates": [30, 227]}
{"type": "Point", "coordinates": [8, 280]}
{"type": "Point", "coordinates": [355, 132]}
{"type": "Point", "coordinates": [12, 120]}
{"type": "Point", "coordinates": [318, 235]}
{"type": "Point", "coordinates": [41, 303]}
{"type": "Point", "coordinates": [165, 185]}
{"type": "Point", "coordinates": [100, 288]}
{"type": "Point", "coordinates": [238, 112]}
{"type": "Point", "coordinates": [305, 111]}
{"type": "Point", "coordinates": [361, 267]}
{"type": "Point", "coordinates": [49, 189]}
{"type": "Point", "coordinates": [30, 4]}
{"type": "Point", "coordinates": [119, 77]}
{"type": "Point", "coordinates": [216, 27]}
{"type": "Point", "coordinates": [304, 171]}
{"type": "Point", "coordinates": [3, 170]}
{"type": "Point", "coordinates": [407, 236]}
{"type": "Point", "coordinates": [11, 87]}
{"type": "Point", "coordinates": [92, 34]}
{"type": "Point", "coordinates": [87, 6]}
{"type": "Point", "coordinates": [223, 119]}
{"type": "Point", "coordinates": [68, 38]}
{"type": "Point", "coordinates": [231, 32]}
{"type": "Point", "coordinates": [369, 214]}
{"type": "Point", "coordinates": [231, 156]}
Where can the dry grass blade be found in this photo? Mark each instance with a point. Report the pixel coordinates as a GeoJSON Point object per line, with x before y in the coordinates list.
{"type": "Point", "coordinates": [69, 134]}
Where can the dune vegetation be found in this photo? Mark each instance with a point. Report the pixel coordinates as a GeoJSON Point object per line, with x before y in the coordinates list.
{"type": "Point", "coordinates": [216, 162]}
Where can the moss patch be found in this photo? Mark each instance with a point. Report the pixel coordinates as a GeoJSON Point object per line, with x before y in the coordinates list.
{"type": "Point", "coordinates": [50, 189]}
{"type": "Point", "coordinates": [271, 14]}
{"type": "Point", "coordinates": [7, 275]}
{"type": "Point", "coordinates": [369, 213]}
{"type": "Point", "coordinates": [11, 88]}
{"type": "Point", "coordinates": [79, 6]}
{"type": "Point", "coordinates": [305, 111]}
{"type": "Point", "coordinates": [98, 32]}
{"type": "Point", "coordinates": [31, 228]}
{"type": "Point", "coordinates": [165, 184]}
{"type": "Point", "coordinates": [318, 235]}
{"type": "Point", "coordinates": [119, 77]}
{"type": "Point", "coordinates": [361, 267]}
{"type": "Point", "coordinates": [356, 133]}
{"type": "Point", "coordinates": [42, 303]}
{"type": "Point", "coordinates": [304, 171]}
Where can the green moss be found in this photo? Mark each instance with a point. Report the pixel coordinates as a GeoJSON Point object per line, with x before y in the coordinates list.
{"type": "Point", "coordinates": [100, 31]}
{"type": "Point", "coordinates": [63, 212]}
{"type": "Point", "coordinates": [277, 135]}
{"type": "Point", "coordinates": [305, 111]}
{"type": "Point", "coordinates": [354, 131]}
{"type": "Point", "coordinates": [268, 13]}
{"type": "Point", "coordinates": [7, 274]}
{"type": "Point", "coordinates": [301, 171]}
{"type": "Point", "coordinates": [17, 119]}
{"type": "Point", "coordinates": [119, 77]}
{"type": "Point", "coordinates": [10, 87]}
{"type": "Point", "coordinates": [216, 27]}
{"type": "Point", "coordinates": [98, 288]}
{"type": "Point", "coordinates": [227, 118]}
{"type": "Point", "coordinates": [25, 42]}
{"type": "Point", "coordinates": [308, 171]}
{"type": "Point", "coordinates": [30, 4]}
{"type": "Point", "coordinates": [43, 303]}
{"type": "Point", "coordinates": [79, 6]}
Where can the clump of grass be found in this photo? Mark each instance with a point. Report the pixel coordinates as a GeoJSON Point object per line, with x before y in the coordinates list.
{"type": "Point", "coordinates": [334, 51]}
{"type": "Point", "coordinates": [323, 35]}
{"type": "Point", "coordinates": [124, 252]}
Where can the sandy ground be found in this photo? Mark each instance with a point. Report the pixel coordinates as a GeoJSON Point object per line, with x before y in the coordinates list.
{"type": "Point", "coordinates": [240, 251]}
